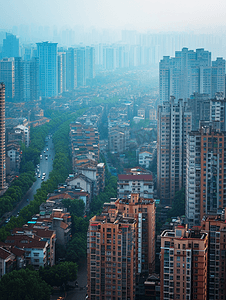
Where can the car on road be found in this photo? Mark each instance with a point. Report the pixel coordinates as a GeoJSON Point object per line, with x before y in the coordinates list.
{"type": "Point", "coordinates": [43, 177]}
{"type": "Point", "coordinates": [39, 175]}
{"type": "Point", "coordinates": [43, 174]}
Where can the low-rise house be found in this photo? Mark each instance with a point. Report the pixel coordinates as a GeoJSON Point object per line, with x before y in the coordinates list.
{"type": "Point", "coordinates": [145, 159]}
{"type": "Point", "coordinates": [35, 249]}
{"type": "Point", "coordinates": [7, 261]}
{"type": "Point", "coordinates": [43, 234]}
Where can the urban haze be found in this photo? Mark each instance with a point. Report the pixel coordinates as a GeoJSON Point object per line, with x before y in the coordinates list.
{"type": "Point", "coordinates": [112, 150]}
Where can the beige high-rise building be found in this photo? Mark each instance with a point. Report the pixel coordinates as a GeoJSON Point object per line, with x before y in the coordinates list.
{"type": "Point", "coordinates": [183, 260]}
{"type": "Point", "coordinates": [111, 256]}
{"type": "Point", "coordinates": [121, 248]}
{"type": "Point", "coordinates": [215, 225]}
{"type": "Point", "coordinates": [2, 137]}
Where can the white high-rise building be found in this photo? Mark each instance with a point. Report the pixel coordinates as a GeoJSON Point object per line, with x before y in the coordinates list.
{"type": "Point", "coordinates": [174, 122]}
{"type": "Point", "coordinates": [190, 72]}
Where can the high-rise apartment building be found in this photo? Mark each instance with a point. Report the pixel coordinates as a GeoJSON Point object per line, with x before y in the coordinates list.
{"type": "Point", "coordinates": [218, 76]}
{"type": "Point", "coordinates": [90, 63]}
{"type": "Point", "coordinates": [10, 46]}
{"type": "Point", "coordinates": [206, 170]}
{"type": "Point", "coordinates": [111, 256]}
{"type": "Point", "coordinates": [61, 60]}
{"type": "Point", "coordinates": [71, 69]}
{"type": "Point", "coordinates": [143, 209]}
{"type": "Point", "coordinates": [189, 72]}
{"type": "Point", "coordinates": [174, 123]}
{"type": "Point", "coordinates": [34, 78]}
{"type": "Point", "coordinates": [218, 111]}
{"type": "Point", "coordinates": [183, 260]}
{"type": "Point", "coordinates": [81, 66]}
{"type": "Point", "coordinates": [47, 54]}
{"type": "Point", "coordinates": [2, 137]}
{"type": "Point", "coordinates": [215, 226]}
{"type": "Point", "coordinates": [121, 248]}
{"type": "Point", "coordinates": [7, 75]}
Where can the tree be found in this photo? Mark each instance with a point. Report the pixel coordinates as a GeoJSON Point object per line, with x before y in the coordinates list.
{"type": "Point", "coordinates": [24, 284]}
{"type": "Point", "coordinates": [178, 207]}
{"type": "Point", "coordinates": [59, 275]}
{"type": "Point", "coordinates": [76, 207]}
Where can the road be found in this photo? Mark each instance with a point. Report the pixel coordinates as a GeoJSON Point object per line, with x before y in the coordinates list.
{"type": "Point", "coordinates": [45, 166]}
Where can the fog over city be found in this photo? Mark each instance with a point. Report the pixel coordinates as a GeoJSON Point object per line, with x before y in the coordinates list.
{"type": "Point", "coordinates": [202, 16]}
{"type": "Point", "coordinates": [113, 149]}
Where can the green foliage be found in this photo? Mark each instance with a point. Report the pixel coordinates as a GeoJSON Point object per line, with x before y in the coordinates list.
{"type": "Point", "coordinates": [59, 275]}
{"type": "Point", "coordinates": [61, 167]}
{"type": "Point", "coordinates": [16, 191]}
{"type": "Point", "coordinates": [178, 206]}
{"type": "Point", "coordinates": [75, 207]}
{"type": "Point", "coordinates": [110, 191]}
{"type": "Point", "coordinates": [24, 285]}
{"type": "Point", "coordinates": [142, 124]}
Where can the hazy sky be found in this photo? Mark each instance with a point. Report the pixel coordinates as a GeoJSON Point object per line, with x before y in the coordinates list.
{"type": "Point", "coordinates": [160, 15]}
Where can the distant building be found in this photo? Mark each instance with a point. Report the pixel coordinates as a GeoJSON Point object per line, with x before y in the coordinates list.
{"type": "Point", "coordinates": [188, 72]}
{"type": "Point", "coordinates": [81, 66]}
{"type": "Point", "coordinates": [47, 54]}
{"type": "Point", "coordinates": [2, 137]}
{"type": "Point", "coordinates": [145, 159]}
{"type": "Point", "coordinates": [71, 69]}
{"type": "Point", "coordinates": [7, 75]}
{"type": "Point", "coordinates": [118, 138]}
{"type": "Point", "coordinates": [14, 155]}
{"type": "Point", "coordinates": [61, 61]}
{"type": "Point", "coordinates": [10, 46]}
{"type": "Point", "coordinates": [90, 63]}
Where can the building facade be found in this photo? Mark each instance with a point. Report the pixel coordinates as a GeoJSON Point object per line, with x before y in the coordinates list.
{"type": "Point", "coordinates": [142, 184]}
{"type": "Point", "coordinates": [174, 123]}
{"type": "Point", "coordinates": [111, 256]}
{"type": "Point", "coordinates": [215, 226]}
{"type": "Point", "coordinates": [47, 54]}
{"type": "Point", "coordinates": [205, 186]}
{"type": "Point", "coordinates": [183, 264]}
{"type": "Point", "coordinates": [188, 72]}
{"type": "Point", "coordinates": [2, 137]}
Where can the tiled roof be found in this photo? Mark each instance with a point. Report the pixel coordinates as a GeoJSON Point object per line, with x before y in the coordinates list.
{"type": "Point", "coordinates": [63, 225]}
{"type": "Point", "coordinates": [4, 253]}
{"type": "Point", "coordinates": [135, 177]}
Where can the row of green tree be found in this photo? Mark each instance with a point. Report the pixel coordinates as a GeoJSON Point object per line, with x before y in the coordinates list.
{"type": "Point", "coordinates": [61, 168]}
{"type": "Point", "coordinates": [28, 284]}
